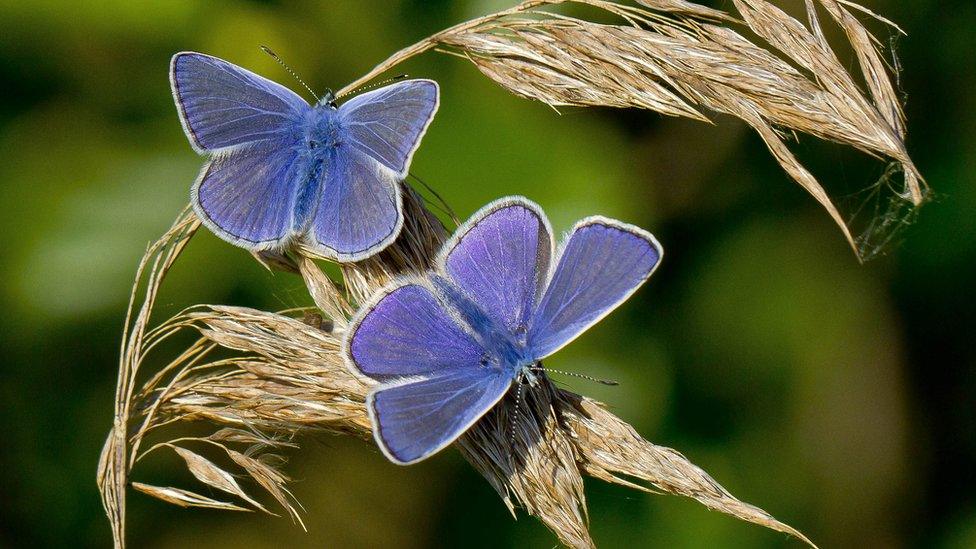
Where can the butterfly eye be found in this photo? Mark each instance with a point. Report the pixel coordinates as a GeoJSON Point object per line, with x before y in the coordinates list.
{"type": "Point", "coordinates": [313, 144]}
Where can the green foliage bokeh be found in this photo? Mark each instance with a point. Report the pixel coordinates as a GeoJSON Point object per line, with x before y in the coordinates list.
{"type": "Point", "coordinates": [837, 396]}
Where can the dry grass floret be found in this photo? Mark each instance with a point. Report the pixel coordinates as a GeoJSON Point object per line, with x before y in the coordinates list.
{"type": "Point", "coordinates": [260, 378]}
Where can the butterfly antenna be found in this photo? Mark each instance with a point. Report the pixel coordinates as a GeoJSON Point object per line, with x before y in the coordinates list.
{"type": "Point", "coordinates": [518, 406]}
{"type": "Point", "coordinates": [274, 56]}
{"type": "Point", "coordinates": [574, 374]}
{"type": "Point", "coordinates": [374, 85]}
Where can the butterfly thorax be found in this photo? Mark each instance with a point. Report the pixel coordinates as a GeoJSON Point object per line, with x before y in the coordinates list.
{"type": "Point", "coordinates": [504, 351]}
{"type": "Point", "coordinates": [322, 132]}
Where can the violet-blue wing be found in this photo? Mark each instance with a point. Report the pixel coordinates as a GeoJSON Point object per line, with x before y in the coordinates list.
{"type": "Point", "coordinates": [222, 105]}
{"type": "Point", "coordinates": [601, 265]}
{"type": "Point", "coordinates": [248, 197]}
{"type": "Point", "coordinates": [388, 123]}
{"type": "Point", "coordinates": [359, 210]}
{"type": "Point", "coordinates": [415, 420]}
{"type": "Point", "coordinates": [500, 259]}
{"type": "Point", "coordinates": [406, 332]}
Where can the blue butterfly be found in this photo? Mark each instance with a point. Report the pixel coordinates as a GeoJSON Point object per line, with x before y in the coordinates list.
{"type": "Point", "coordinates": [446, 347]}
{"type": "Point", "coordinates": [283, 171]}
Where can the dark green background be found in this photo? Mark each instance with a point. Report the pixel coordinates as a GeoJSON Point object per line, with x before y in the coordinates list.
{"type": "Point", "coordinates": [837, 396]}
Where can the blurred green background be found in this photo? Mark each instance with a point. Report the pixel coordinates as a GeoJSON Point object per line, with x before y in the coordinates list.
{"type": "Point", "coordinates": [837, 396]}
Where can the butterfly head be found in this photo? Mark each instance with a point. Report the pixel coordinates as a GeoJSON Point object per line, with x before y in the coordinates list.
{"type": "Point", "coordinates": [328, 100]}
{"type": "Point", "coordinates": [528, 374]}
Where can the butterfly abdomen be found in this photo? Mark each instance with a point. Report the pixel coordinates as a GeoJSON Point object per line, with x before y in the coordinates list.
{"type": "Point", "coordinates": [308, 196]}
{"type": "Point", "coordinates": [506, 353]}
{"type": "Point", "coordinates": [321, 141]}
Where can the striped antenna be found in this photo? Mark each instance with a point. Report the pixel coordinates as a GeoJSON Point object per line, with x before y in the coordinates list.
{"type": "Point", "coordinates": [371, 86]}
{"type": "Point", "coordinates": [274, 56]}
{"type": "Point", "coordinates": [574, 374]}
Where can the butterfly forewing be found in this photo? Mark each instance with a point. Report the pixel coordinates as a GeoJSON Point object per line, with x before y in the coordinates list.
{"type": "Point", "coordinates": [223, 105]}
{"type": "Point", "coordinates": [407, 332]}
{"type": "Point", "coordinates": [500, 259]}
{"type": "Point", "coordinates": [388, 123]}
{"type": "Point", "coordinates": [602, 263]}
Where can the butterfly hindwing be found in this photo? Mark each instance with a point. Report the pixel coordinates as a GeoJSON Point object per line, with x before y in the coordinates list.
{"type": "Point", "coordinates": [387, 123]}
{"type": "Point", "coordinates": [360, 209]}
{"type": "Point", "coordinates": [500, 259]}
{"type": "Point", "coordinates": [416, 419]}
{"type": "Point", "coordinates": [222, 105]}
{"type": "Point", "coordinates": [602, 263]}
{"type": "Point", "coordinates": [247, 197]}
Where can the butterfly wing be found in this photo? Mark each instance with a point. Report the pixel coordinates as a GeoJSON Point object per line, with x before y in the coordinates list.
{"type": "Point", "coordinates": [414, 420]}
{"type": "Point", "coordinates": [436, 385]}
{"type": "Point", "coordinates": [247, 197]}
{"type": "Point", "coordinates": [602, 263]}
{"type": "Point", "coordinates": [500, 258]}
{"type": "Point", "coordinates": [360, 210]}
{"type": "Point", "coordinates": [405, 331]}
{"type": "Point", "coordinates": [246, 194]}
{"type": "Point", "coordinates": [222, 105]}
{"type": "Point", "coordinates": [387, 124]}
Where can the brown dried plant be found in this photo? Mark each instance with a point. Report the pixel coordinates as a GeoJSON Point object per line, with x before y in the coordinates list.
{"type": "Point", "coordinates": [260, 378]}
{"type": "Point", "coordinates": [680, 58]}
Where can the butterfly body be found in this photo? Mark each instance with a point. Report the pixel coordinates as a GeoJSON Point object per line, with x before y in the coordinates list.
{"type": "Point", "coordinates": [317, 145]}
{"type": "Point", "coordinates": [504, 352]}
{"type": "Point", "coordinates": [321, 131]}
{"type": "Point", "coordinates": [445, 347]}
{"type": "Point", "coordinates": [283, 171]}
